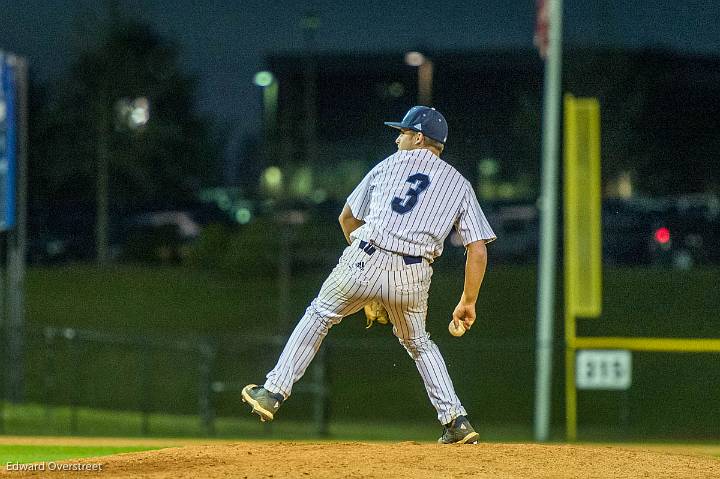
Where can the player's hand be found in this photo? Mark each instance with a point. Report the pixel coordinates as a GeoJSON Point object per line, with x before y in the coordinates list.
{"type": "Point", "coordinates": [464, 313]}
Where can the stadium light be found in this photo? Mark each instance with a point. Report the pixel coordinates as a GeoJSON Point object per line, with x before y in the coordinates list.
{"type": "Point", "coordinates": [133, 114]}
{"type": "Point", "coordinates": [267, 81]}
{"type": "Point", "coordinates": [414, 59]}
{"type": "Point", "coordinates": [140, 113]}
{"type": "Point", "coordinates": [425, 75]}
{"type": "Point", "coordinates": [272, 181]}
{"type": "Point", "coordinates": [263, 78]}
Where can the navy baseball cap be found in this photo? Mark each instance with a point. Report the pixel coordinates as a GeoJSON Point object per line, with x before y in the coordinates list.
{"type": "Point", "coordinates": [426, 120]}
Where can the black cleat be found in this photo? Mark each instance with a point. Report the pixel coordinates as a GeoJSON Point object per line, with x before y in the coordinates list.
{"type": "Point", "coordinates": [459, 431]}
{"type": "Point", "coordinates": [264, 403]}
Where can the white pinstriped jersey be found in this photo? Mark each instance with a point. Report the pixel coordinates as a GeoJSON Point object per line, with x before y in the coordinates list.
{"type": "Point", "coordinates": [410, 202]}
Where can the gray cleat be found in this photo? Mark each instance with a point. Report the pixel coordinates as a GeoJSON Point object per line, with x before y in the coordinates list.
{"type": "Point", "coordinates": [459, 431]}
{"type": "Point", "coordinates": [264, 403]}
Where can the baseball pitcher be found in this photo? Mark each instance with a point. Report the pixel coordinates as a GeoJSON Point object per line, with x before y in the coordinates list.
{"type": "Point", "coordinates": [396, 221]}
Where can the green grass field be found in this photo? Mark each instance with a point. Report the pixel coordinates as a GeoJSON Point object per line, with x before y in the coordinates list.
{"type": "Point", "coordinates": [37, 453]}
{"type": "Point", "coordinates": [497, 387]}
{"type": "Point", "coordinates": [38, 420]}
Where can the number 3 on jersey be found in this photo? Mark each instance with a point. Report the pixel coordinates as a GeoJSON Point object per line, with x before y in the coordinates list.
{"type": "Point", "coordinates": [403, 205]}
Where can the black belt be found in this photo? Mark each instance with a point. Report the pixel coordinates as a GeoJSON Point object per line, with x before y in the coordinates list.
{"type": "Point", "coordinates": [370, 249]}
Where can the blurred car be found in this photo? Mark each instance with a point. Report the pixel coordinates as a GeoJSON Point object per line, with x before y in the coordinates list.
{"type": "Point", "coordinates": [695, 229]}
{"type": "Point", "coordinates": [634, 232]}
{"type": "Point", "coordinates": [637, 231]}
{"type": "Point", "coordinates": [66, 233]}
{"type": "Point", "coordinates": [516, 225]}
{"type": "Point", "coordinates": [158, 236]}
{"type": "Point", "coordinates": [47, 249]}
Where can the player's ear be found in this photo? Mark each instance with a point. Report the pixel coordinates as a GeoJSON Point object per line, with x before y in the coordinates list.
{"type": "Point", "coordinates": [419, 139]}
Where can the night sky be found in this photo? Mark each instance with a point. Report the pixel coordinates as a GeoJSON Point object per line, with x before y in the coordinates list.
{"type": "Point", "coordinates": [224, 42]}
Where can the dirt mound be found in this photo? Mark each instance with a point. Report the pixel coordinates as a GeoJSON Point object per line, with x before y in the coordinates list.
{"type": "Point", "coordinates": [403, 460]}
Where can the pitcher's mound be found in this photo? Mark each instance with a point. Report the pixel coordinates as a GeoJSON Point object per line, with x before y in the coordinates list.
{"type": "Point", "coordinates": [404, 460]}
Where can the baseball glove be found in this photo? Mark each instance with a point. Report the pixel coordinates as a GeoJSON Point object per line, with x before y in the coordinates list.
{"type": "Point", "coordinates": [375, 311]}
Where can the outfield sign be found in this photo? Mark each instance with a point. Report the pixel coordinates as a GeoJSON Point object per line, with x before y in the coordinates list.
{"type": "Point", "coordinates": [7, 141]}
{"type": "Point", "coordinates": [604, 369]}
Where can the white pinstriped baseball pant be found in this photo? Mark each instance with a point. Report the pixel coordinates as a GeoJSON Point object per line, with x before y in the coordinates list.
{"type": "Point", "coordinates": [403, 290]}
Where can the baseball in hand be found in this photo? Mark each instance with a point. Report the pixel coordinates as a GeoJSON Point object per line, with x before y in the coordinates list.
{"type": "Point", "coordinates": [456, 331]}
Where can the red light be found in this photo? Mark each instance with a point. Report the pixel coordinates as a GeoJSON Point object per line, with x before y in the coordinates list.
{"type": "Point", "coordinates": [662, 235]}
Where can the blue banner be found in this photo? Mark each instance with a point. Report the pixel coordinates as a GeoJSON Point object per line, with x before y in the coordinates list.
{"type": "Point", "coordinates": [8, 144]}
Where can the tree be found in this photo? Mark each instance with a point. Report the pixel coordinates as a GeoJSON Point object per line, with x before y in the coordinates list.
{"type": "Point", "coordinates": [161, 163]}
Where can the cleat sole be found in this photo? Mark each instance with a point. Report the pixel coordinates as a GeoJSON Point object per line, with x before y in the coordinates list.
{"type": "Point", "coordinates": [471, 438]}
{"type": "Point", "coordinates": [264, 414]}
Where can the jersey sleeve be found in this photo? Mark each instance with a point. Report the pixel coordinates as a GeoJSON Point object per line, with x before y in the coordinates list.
{"type": "Point", "coordinates": [359, 199]}
{"type": "Point", "coordinates": [471, 224]}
